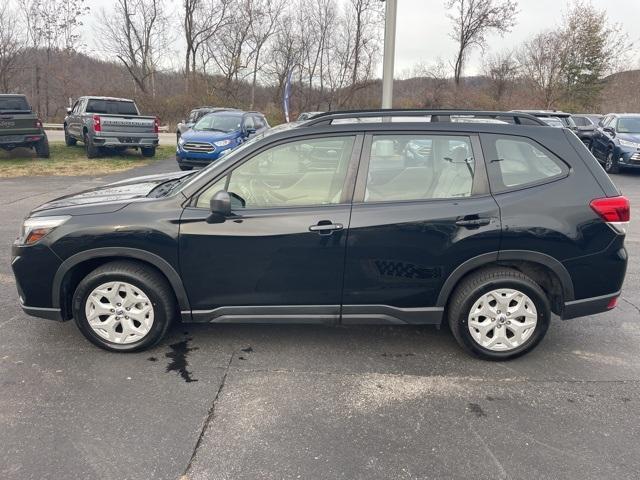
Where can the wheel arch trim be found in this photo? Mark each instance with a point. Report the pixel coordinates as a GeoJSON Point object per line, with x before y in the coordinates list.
{"type": "Point", "coordinates": [487, 259]}
{"type": "Point", "coordinates": [122, 253]}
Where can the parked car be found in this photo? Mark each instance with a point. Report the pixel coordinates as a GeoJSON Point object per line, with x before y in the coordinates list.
{"type": "Point", "coordinates": [216, 134]}
{"type": "Point", "coordinates": [20, 126]}
{"type": "Point", "coordinates": [307, 115]}
{"type": "Point", "coordinates": [616, 141]}
{"type": "Point", "coordinates": [319, 222]}
{"type": "Point", "coordinates": [110, 122]}
{"type": "Point", "coordinates": [195, 115]}
{"type": "Point", "coordinates": [553, 122]}
{"type": "Point", "coordinates": [586, 124]}
{"type": "Point", "coordinates": [564, 117]}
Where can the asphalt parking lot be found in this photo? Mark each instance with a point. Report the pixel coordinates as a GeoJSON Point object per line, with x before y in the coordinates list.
{"type": "Point", "coordinates": [280, 402]}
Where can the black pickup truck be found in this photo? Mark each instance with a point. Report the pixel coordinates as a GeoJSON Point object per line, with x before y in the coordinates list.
{"type": "Point", "coordinates": [20, 126]}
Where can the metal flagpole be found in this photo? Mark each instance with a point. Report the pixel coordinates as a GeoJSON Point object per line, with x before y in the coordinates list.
{"type": "Point", "coordinates": [389, 52]}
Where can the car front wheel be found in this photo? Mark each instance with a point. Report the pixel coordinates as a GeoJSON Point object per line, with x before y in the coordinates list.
{"type": "Point", "coordinates": [123, 306]}
{"type": "Point", "coordinates": [611, 164]}
{"type": "Point", "coordinates": [499, 314]}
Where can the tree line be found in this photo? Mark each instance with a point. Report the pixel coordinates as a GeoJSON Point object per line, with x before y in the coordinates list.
{"type": "Point", "coordinates": [171, 57]}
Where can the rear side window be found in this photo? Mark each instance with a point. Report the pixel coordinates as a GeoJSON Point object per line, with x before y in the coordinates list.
{"type": "Point", "coordinates": [582, 121]}
{"type": "Point", "coordinates": [114, 107]}
{"type": "Point", "coordinates": [419, 167]}
{"type": "Point", "coordinates": [515, 162]}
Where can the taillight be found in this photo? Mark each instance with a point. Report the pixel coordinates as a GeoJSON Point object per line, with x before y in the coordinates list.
{"type": "Point", "coordinates": [97, 126]}
{"type": "Point", "coordinates": [616, 211]}
{"type": "Point", "coordinates": [612, 303]}
{"type": "Point", "coordinates": [37, 123]}
{"type": "Point", "coordinates": [156, 125]}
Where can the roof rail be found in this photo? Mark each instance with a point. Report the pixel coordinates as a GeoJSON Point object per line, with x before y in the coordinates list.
{"type": "Point", "coordinates": [434, 115]}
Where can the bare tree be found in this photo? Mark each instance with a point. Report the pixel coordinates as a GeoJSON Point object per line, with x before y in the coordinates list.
{"type": "Point", "coordinates": [134, 32]}
{"type": "Point", "coordinates": [12, 44]}
{"type": "Point", "coordinates": [265, 23]}
{"type": "Point", "coordinates": [502, 70]}
{"type": "Point", "coordinates": [473, 20]}
{"type": "Point", "coordinates": [203, 19]}
{"type": "Point", "coordinates": [543, 62]}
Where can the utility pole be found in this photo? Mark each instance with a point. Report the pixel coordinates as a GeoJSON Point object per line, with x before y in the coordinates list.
{"type": "Point", "coordinates": [391, 9]}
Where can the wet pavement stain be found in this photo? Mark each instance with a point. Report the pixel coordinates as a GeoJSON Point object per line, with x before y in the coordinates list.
{"type": "Point", "coordinates": [178, 356]}
{"type": "Point", "coordinates": [152, 359]}
{"type": "Point", "coordinates": [247, 350]}
{"type": "Point", "coordinates": [476, 409]}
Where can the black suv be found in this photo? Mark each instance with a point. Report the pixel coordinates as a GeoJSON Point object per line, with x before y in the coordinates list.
{"type": "Point", "coordinates": [372, 217]}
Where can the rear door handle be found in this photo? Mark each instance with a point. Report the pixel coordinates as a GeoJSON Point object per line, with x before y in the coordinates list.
{"type": "Point", "coordinates": [325, 227]}
{"type": "Point", "coordinates": [473, 222]}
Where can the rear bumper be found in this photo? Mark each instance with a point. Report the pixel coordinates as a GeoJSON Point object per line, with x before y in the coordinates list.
{"type": "Point", "coordinates": [19, 140]}
{"type": "Point", "coordinates": [123, 139]}
{"type": "Point", "coordinates": [588, 306]}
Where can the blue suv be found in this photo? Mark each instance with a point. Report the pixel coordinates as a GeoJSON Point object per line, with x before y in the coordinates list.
{"type": "Point", "coordinates": [216, 134]}
{"type": "Point", "coordinates": [616, 142]}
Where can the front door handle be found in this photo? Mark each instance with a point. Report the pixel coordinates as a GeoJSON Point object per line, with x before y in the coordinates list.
{"type": "Point", "coordinates": [473, 222]}
{"type": "Point", "coordinates": [326, 227]}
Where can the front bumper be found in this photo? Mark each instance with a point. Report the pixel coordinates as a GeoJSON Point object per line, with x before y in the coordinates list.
{"type": "Point", "coordinates": [34, 268]}
{"type": "Point", "coordinates": [198, 159]}
{"type": "Point", "coordinates": [627, 157]}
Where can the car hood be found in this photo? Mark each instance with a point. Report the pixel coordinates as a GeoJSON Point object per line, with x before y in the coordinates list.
{"type": "Point", "coordinates": [111, 195]}
{"type": "Point", "coordinates": [205, 136]}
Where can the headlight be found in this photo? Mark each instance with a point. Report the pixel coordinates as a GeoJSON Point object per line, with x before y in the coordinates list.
{"type": "Point", "coordinates": [222, 143]}
{"type": "Point", "coordinates": [33, 229]}
{"type": "Point", "coordinates": [181, 141]}
{"type": "Point", "coordinates": [626, 143]}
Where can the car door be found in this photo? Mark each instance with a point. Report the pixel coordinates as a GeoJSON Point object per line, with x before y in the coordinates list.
{"type": "Point", "coordinates": [280, 257]}
{"type": "Point", "coordinates": [600, 139]}
{"type": "Point", "coordinates": [72, 119]}
{"type": "Point", "coordinates": [421, 209]}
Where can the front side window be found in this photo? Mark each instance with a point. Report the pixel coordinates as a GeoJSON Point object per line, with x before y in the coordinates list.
{"type": "Point", "coordinates": [301, 173]}
{"type": "Point", "coordinates": [629, 125]}
{"type": "Point", "coordinates": [419, 167]}
{"type": "Point", "coordinates": [517, 161]}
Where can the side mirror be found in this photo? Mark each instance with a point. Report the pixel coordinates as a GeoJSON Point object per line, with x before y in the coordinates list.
{"type": "Point", "coordinates": [220, 206]}
{"type": "Point", "coordinates": [609, 130]}
{"type": "Point", "coordinates": [250, 131]}
{"type": "Point", "coordinates": [69, 110]}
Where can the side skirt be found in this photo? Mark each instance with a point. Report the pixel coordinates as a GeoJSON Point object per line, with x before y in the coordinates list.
{"type": "Point", "coordinates": [318, 314]}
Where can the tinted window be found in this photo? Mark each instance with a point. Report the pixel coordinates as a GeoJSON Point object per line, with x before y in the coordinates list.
{"type": "Point", "coordinates": [516, 161]}
{"type": "Point", "coordinates": [17, 103]}
{"type": "Point", "coordinates": [582, 121]}
{"type": "Point", "coordinates": [113, 107]}
{"type": "Point", "coordinates": [302, 173]}
{"type": "Point", "coordinates": [259, 122]}
{"type": "Point", "coordinates": [419, 167]}
{"type": "Point", "coordinates": [248, 122]}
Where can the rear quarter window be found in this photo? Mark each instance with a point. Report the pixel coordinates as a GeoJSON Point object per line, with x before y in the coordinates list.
{"type": "Point", "coordinates": [516, 162]}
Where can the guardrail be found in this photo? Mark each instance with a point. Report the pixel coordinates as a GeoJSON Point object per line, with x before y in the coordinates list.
{"type": "Point", "coordinates": [59, 126]}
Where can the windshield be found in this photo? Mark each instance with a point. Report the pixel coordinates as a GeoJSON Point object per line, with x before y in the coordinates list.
{"type": "Point", "coordinates": [16, 103]}
{"type": "Point", "coordinates": [629, 125]}
{"type": "Point", "coordinates": [216, 122]}
{"type": "Point", "coordinates": [114, 107]}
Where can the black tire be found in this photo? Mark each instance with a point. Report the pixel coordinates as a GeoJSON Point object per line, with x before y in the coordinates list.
{"type": "Point", "coordinates": [148, 280]}
{"type": "Point", "coordinates": [185, 168]}
{"type": "Point", "coordinates": [69, 140]}
{"type": "Point", "coordinates": [477, 284]}
{"type": "Point", "coordinates": [91, 150]}
{"type": "Point", "coordinates": [42, 147]}
{"type": "Point", "coordinates": [611, 164]}
{"type": "Point", "coordinates": [148, 152]}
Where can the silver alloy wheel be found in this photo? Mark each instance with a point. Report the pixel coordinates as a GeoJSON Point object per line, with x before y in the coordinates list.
{"type": "Point", "coordinates": [119, 312]}
{"type": "Point", "coordinates": [502, 319]}
{"type": "Point", "coordinates": [609, 162]}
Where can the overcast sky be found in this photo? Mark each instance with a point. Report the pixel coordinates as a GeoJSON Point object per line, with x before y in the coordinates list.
{"type": "Point", "coordinates": [423, 28]}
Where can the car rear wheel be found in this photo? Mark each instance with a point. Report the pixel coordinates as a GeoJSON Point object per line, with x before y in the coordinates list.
{"type": "Point", "coordinates": [42, 148]}
{"type": "Point", "coordinates": [123, 306]}
{"type": "Point", "coordinates": [69, 140]}
{"type": "Point", "coordinates": [148, 152]}
{"type": "Point", "coordinates": [611, 164]}
{"type": "Point", "coordinates": [499, 314]}
{"type": "Point", "coordinates": [90, 148]}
